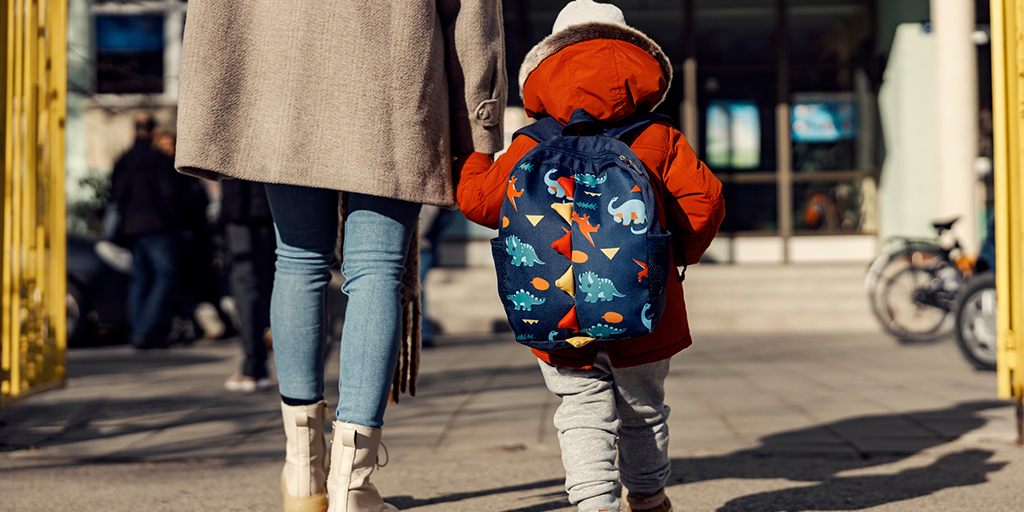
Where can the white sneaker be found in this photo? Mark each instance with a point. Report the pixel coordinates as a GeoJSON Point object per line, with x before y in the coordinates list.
{"type": "Point", "coordinates": [246, 384]}
{"type": "Point", "coordinates": [209, 320]}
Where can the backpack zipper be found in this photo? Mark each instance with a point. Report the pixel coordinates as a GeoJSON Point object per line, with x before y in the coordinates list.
{"type": "Point", "coordinates": [630, 164]}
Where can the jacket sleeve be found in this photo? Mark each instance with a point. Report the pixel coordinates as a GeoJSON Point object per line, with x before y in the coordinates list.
{"type": "Point", "coordinates": [698, 207]}
{"type": "Point", "coordinates": [477, 85]}
{"type": "Point", "coordinates": [482, 185]}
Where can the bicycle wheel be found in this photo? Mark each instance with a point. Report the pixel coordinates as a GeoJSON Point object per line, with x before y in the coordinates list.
{"type": "Point", "coordinates": [976, 321]}
{"type": "Point", "coordinates": [914, 293]}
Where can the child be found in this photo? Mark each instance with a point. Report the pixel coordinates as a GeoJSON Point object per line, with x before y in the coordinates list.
{"type": "Point", "coordinates": [612, 392]}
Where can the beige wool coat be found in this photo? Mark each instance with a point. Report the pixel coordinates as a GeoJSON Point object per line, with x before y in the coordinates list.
{"type": "Point", "coordinates": [351, 95]}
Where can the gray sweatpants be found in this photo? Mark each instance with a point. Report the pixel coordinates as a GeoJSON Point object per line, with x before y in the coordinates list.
{"type": "Point", "coordinates": [599, 407]}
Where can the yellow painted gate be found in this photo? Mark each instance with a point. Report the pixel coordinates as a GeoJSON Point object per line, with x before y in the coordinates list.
{"type": "Point", "coordinates": [1008, 110]}
{"type": "Point", "coordinates": [32, 304]}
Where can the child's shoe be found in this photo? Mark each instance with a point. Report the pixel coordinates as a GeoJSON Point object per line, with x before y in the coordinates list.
{"type": "Point", "coordinates": [657, 502]}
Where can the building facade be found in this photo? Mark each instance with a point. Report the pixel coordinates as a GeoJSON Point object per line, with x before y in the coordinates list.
{"type": "Point", "coordinates": [779, 97]}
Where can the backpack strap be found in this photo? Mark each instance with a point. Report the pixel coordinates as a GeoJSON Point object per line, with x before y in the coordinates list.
{"type": "Point", "coordinates": [549, 128]}
{"type": "Point", "coordinates": [545, 129]}
{"type": "Point", "coordinates": [634, 122]}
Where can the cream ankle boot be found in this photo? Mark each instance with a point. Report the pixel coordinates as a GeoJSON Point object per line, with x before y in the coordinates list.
{"type": "Point", "coordinates": [305, 462]}
{"type": "Point", "coordinates": [353, 457]}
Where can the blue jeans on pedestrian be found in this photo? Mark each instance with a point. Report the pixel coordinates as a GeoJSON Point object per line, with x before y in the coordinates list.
{"type": "Point", "coordinates": [377, 236]}
{"type": "Point", "coordinates": [154, 271]}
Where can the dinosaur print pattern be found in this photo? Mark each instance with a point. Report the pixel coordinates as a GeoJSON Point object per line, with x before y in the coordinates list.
{"type": "Point", "coordinates": [524, 300]}
{"type": "Point", "coordinates": [603, 331]}
{"type": "Point", "coordinates": [562, 187]}
{"type": "Point", "coordinates": [526, 166]}
{"type": "Point", "coordinates": [524, 337]}
{"type": "Point", "coordinates": [513, 193]}
{"type": "Point", "coordinates": [644, 318]}
{"type": "Point", "coordinates": [632, 211]}
{"type": "Point", "coordinates": [586, 206]}
{"type": "Point", "coordinates": [522, 253]}
{"type": "Point", "coordinates": [584, 225]}
{"type": "Point", "coordinates": [597, 288]}
{"type": "Point", "coordinates": [589, 180]}
{"type": "Point", "coordinates": [643, 273]}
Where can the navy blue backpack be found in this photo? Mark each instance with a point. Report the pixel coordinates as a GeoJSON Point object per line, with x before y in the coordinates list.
{"type": "Point", "coordinates": [581, 254]}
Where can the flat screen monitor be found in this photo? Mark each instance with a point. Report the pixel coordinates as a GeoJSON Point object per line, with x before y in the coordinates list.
{"type": "Point", "coordinates": [825, 118]}
{"type": "Point", "coordinates": [733, 138]}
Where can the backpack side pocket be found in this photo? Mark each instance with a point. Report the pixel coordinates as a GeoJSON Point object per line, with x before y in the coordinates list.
{"type": "Point", "coordinates": [659, 264]}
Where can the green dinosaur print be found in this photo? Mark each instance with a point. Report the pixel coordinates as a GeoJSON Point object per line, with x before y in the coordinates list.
{"type": "Point", "coordinates": [597, 288]}
{"type": "Point", "coordinates": [524, 300]}
{"type": "Point", "coordinates": [603, 331]}
{"type": "Point", "coordinates": [522, 253]}
{"type": "Point", "coordinates": [589, 180]}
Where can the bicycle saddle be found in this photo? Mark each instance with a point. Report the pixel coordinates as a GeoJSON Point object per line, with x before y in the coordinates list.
{"type": "Point", "coordinates": [945, 226]}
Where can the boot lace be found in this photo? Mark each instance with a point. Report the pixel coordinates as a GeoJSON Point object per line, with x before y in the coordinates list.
{"type": "Point", "coordinates": [387, 457]}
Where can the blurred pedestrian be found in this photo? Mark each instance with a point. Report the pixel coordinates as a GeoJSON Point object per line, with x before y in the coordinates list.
{"type": "Point", "coordinates": [146, 190]}
{"type": "Point", "coordinates": [433, 228]}
{"type": "Point", "coordinates": [613, 392]}
{"type": "Point", "coordinates": [198, 279]}
{"type": "Point", "coordinates": [319, 112]}
{"type": "Point", "coordinates": [249, 230]}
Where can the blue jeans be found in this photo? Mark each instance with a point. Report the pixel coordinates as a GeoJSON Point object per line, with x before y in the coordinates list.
{"type": "Point", "coordinates": [154, 270]}
{"type": "Point", "coordinates": [377, 236]}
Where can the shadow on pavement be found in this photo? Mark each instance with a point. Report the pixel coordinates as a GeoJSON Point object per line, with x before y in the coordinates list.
{"type": "Point", "coordinates": [860, 492]}
{"type": "Point", "coordinates": [818, 455]}
{"type": "Point", "coordinates": [409, 502]}
{"type": "Point", "coordinates": [100, 361]}
{"type": "Point", "coordinates": [34, 426]}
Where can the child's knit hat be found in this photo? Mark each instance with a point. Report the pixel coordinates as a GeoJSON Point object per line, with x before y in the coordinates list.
{"type": "Point", "coordinates": [584, 20]}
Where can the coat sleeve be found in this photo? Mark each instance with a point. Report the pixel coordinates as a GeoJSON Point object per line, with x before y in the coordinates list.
{"type": "Point", "coordinates": [698, 206]}
{"type": "Point", "coordinates": [477, 82]}
{"type": "Point", "coordinates": [482, 184]}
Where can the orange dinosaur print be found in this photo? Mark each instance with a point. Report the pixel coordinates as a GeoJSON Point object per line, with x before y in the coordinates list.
{"type": "Point", "coordinates": [585, 227]}
{"type": "Point", "coordinates": [513, 193]}
{"type": "Point", "coordinates": [643, 273]}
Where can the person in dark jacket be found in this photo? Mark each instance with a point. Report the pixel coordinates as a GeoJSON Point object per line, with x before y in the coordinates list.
{"type": "Point", "coordinates": [144, 186]}
{"type": "Point", "coordinates": [249, 229]}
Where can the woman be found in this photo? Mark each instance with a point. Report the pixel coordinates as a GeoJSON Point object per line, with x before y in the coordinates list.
{"type": "Point", "coordinates": [312, 98]}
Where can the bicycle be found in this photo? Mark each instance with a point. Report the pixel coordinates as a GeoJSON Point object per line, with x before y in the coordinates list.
{"type": "Point", "coordinates": [976, 327]}
{"type": "Point", "coordinates": [912, 287]}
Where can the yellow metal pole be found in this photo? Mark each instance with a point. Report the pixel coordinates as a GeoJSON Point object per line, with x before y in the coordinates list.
{"type": "Point", "coordinates": [1008, 89]}
{"type": "Point", "coordinates": [6, 319]}
{"type": "Point", "coordinates": [33, 260]}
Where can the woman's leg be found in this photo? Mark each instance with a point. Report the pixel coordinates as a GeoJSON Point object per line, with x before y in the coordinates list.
{"type": "Point", "coordinates": [377, 236]}
{"type": "Point", "coordinates": [306, 224]}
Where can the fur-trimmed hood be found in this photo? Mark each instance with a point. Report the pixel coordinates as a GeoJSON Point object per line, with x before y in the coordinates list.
{"type": "Point", "coordinates": [575, 34]}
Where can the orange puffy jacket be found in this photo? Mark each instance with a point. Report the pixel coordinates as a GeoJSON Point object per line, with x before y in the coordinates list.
{"type": "Point", "coordinates": [611, 79]}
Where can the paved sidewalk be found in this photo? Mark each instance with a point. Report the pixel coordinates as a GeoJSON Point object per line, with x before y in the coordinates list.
{"type": "Point", "coordinates": [759, 423]}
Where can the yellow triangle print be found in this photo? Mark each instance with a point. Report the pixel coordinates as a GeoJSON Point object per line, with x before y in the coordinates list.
{"type": "Point", "coordinates": [593, 194]}
{"type": "Point", "coordinates": [534, 219]}
{"type": "Point", "coordinates": [579, 341]}
{"type": "Point", "coordinates": [567, 283]}
{"type": "Point", "coordinates": [564, 209]}
{"type": "Point", "coordinates": [531, 322]}
{"type": "Point", "coordinates": [610, 252]}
